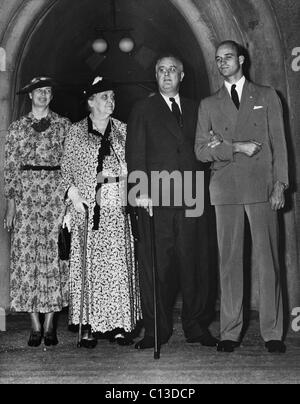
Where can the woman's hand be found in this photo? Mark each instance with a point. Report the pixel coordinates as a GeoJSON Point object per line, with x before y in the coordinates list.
{"type": "Point", "coordinates": [67, 222]}
{"type": "Point", "coordinates": [79, 205]}
{"type": "Point", "coordinates": [77, 200]}
{"type": "Point", "coordinates": [9, 220]}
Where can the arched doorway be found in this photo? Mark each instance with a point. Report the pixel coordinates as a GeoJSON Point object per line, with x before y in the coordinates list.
{"type": "Point", "coordinates": [54, 37]}
{"type": "Point", "coordinates": [193, 32]}
{"type": "Point", "coordinates": [61, 46]}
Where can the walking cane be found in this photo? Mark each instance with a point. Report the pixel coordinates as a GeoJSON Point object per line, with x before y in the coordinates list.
{"type": "Point", "coordinates": [85, 237]}
{"type": "Point", "coordinates": [155, 277]}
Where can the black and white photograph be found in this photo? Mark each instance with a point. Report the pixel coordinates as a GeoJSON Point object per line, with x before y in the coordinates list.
{"type": "Point", "coordinates": [149, 194]}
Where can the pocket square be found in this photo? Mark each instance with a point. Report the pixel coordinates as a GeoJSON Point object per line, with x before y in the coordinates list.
{"type": "Point", "coordinates": [258, 107]}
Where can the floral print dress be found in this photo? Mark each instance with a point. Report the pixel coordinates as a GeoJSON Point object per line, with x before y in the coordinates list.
{"type": "Point", "coordinates": [111, 292]}
{"type": "Point", "coordinates": [38, 280]}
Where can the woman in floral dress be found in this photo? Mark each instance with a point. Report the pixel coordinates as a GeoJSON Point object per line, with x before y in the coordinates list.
{"type": "Point", "coordinates": [95, 155]}
{"type": "Point", "coordinates": [35, 208]}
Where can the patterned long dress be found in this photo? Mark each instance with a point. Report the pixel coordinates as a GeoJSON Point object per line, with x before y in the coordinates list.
{"type": "Point", "coordinates": [38, 280]}
{"type": "Point", "coordinates": [112, 297]}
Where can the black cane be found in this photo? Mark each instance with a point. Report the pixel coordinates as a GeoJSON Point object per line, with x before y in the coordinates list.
{"type": "Point", "coordinates": [155, 277]}
{"type": "Point", "coordinates": [85, 238]}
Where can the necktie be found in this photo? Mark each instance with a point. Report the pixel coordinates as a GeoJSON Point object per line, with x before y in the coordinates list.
{"type": "Point", "coordinates": [176, 112]}
{"type": "Point", "coordinates": [235, 96]}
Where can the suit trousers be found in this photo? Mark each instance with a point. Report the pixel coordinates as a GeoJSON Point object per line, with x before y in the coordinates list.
{"type": "Point", "coordinates": [264, 232]}
{"type": "Point", "coordinates": [177, 264]}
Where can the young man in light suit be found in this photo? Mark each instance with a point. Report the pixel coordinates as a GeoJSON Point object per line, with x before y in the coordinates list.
{"type": "Point", "coordinates": [241, 131]}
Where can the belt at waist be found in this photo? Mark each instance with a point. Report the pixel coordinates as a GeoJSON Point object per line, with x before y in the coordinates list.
{"type": "Point", "coordinates": [39, 168]}
{"type": "Point", "coordinates": [110, 180]}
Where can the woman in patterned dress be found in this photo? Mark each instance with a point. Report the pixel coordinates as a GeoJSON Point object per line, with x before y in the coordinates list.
{"type": "Point", "coordinates": [93, 167]}
{"type": "Point", "coordinates": [35, 208]}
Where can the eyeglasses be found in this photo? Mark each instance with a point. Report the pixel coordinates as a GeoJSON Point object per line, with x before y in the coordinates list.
{"type": "Point", "coordinates": [164, 70]}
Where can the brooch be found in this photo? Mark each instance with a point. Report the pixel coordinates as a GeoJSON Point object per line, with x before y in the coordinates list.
{"type": "Point", "coordinates": [42, 125]}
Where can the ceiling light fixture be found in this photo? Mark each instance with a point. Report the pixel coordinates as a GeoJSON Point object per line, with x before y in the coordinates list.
{"type": "Point", "coordinates": [126, 43]}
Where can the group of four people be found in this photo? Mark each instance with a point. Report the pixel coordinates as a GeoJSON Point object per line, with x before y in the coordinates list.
{"type": "Point", "coordinates": [51, 165]}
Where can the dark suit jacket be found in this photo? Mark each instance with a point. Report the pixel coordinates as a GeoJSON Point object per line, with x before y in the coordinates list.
{"type": "Point", "coordinates": [236, 178]}
{"type": "Point", "coordinates": [155, 142]}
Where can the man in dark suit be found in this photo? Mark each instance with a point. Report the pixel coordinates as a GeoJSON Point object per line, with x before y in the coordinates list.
{"type": "Point", "coordinates": [160, 138]}
{"type": "Point", "coordinates": [241, 131]}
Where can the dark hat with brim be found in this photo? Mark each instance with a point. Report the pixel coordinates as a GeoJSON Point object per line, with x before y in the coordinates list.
{"type": "Point", "coordinates": [38, 82]}
{"type": "Point", "coordinates": [99, 85]}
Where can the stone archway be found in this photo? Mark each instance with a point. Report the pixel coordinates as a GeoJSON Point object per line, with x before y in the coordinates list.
{"type": "Point", "coordinates": [211, 21]}
{"type": "Point", "coordinates": [251, 23]}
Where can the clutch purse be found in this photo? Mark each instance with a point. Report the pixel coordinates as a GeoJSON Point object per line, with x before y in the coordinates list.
{"type": "Point", "coordinates": [64, 243]}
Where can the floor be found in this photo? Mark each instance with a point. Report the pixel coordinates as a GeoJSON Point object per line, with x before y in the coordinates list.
{"type": "Point", "coordinates": [180, 362]}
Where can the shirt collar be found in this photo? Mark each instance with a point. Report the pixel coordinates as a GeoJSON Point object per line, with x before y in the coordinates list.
{"type": "Point", "coordinates": [167, 99]}
{"type": "Point", "coordinates": [239, 86]}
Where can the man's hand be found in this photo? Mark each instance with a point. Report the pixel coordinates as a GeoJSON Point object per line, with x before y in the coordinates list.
{"type": "Point", "coordinates": [215, 140]}
{"type": "Point", "coordinates": [249, 148]}
{"type": "Point", "coordinates": [145, 202]}
{"type": "Point", "coordinates": [9, 220]}
{"type": "Point", "coordinates": [277, 199]}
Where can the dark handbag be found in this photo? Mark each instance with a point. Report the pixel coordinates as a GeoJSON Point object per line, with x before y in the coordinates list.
{"type": "Point", "coordinates": [64, 242]}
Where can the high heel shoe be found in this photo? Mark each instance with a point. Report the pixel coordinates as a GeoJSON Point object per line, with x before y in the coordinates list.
{"type": "Point", "coordinates": [35, 339]}
{"type": "Point", "coordinates": [50, 338]}
{"type": "Point", "coordinates": [89, 343]}
{"type": "Point", "coordinates": [87, 340]}
{"type": "Point", "coordinates": [122, 339]}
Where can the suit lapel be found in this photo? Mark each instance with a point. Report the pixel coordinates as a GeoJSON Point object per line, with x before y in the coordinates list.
{"type": "Point", "coordinates": [166, 116]}
{"type": "Point", "coordinates": [186, 111]}
{"type": "Point", "coordinates": [227, 106]}
{"type": "Point", "coordinates": [247, 105]}
{"type": "Point", "coordinates": [239, 117]}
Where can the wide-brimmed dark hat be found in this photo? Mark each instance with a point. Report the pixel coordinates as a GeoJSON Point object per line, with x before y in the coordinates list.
{"type": "Point", "coordinates": [38, 82]}
{"type": "Point", "coordinates": [99, 85]}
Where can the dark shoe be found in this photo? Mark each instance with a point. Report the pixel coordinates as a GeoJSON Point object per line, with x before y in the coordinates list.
{"type": "Point", "coordinates": [148, 342]}
{"type": "Point", "coordinates": [50, 338]}
{"type": "Point", "coordinates": [275, 347]}
{"type": "Point", "coordinates": [145, 343]}
{"type": "Point", "coordinates": [89, 343]}
{"type": "Point", "coordinates": [227, 346]}
{"type": "Point", "coordinates": [123, 339]}
{"type": "Point", "coordinates": [206, 339]}
{"type": "Point", "coordinates": [35, 339]}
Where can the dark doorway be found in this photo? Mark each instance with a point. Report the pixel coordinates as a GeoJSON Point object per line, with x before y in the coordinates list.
{"type": "Point", "coordinates": [61, 46]}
